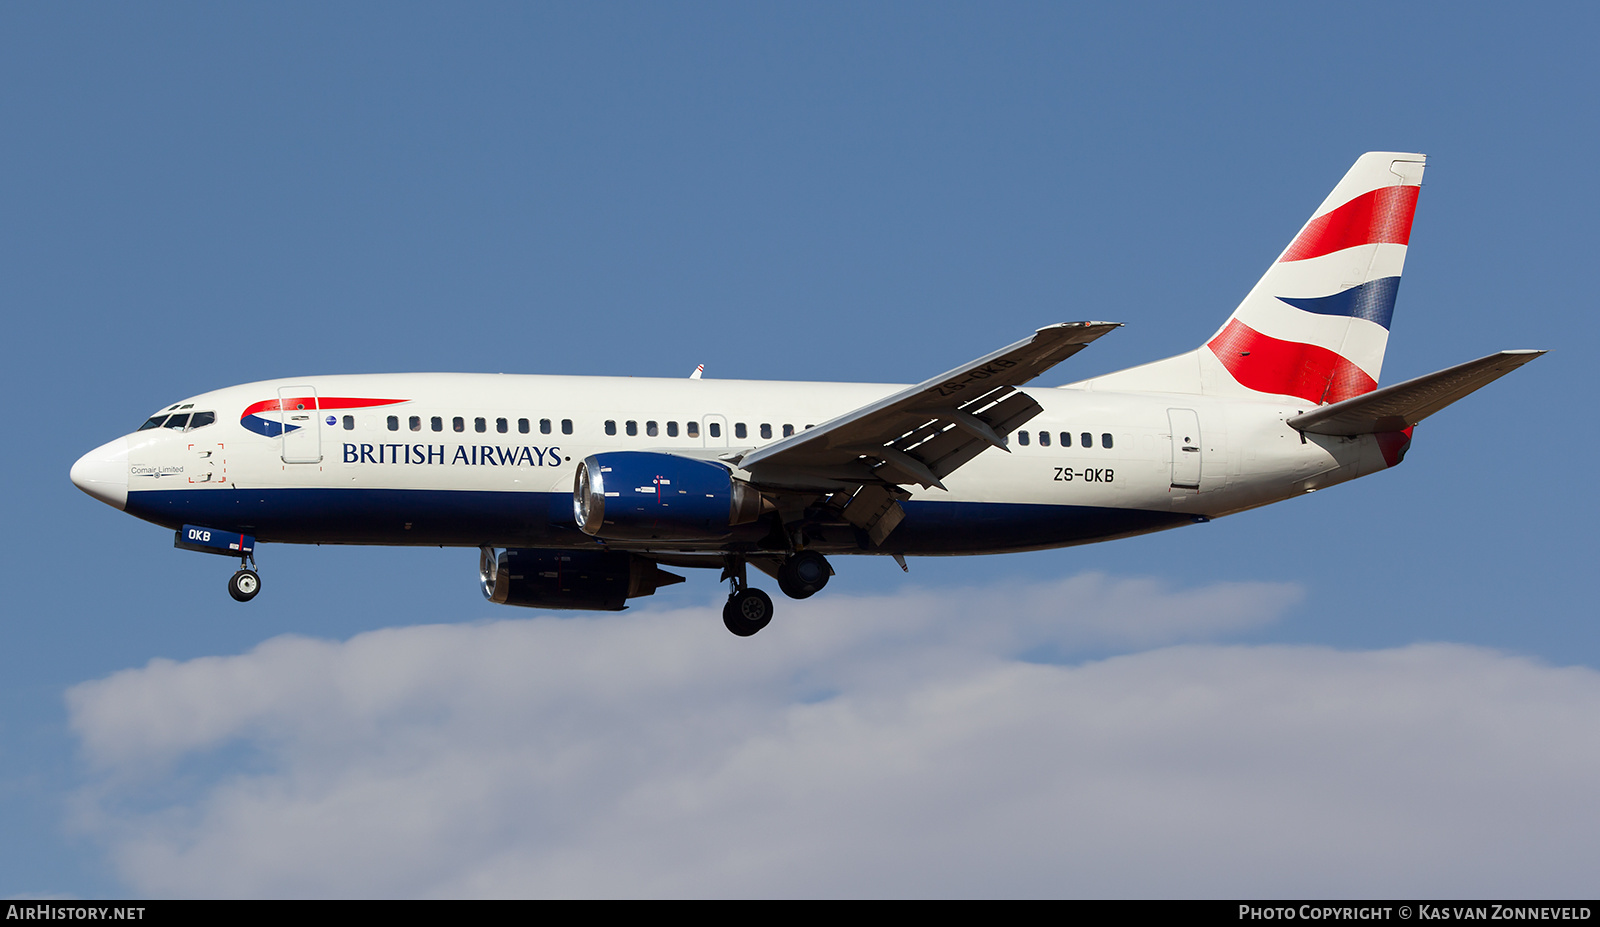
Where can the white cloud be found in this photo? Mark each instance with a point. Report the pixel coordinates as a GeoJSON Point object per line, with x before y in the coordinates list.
{"type": "Point", "coordinates": [871, 746]}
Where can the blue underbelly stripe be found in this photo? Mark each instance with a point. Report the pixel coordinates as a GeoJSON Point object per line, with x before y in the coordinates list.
{"type": "Point", "coordinates": [407, 517]}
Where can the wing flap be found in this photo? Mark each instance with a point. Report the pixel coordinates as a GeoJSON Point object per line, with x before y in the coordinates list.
{"type": "Point", "coordinates": [925, 432]}
{"type": "Point", "coordinates": [1397, 407]}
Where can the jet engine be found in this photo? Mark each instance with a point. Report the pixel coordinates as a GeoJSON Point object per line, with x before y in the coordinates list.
{"type": "Point", "coordinates": [639, 495]}
{"type": "Point", "coordinates": [596, 580]}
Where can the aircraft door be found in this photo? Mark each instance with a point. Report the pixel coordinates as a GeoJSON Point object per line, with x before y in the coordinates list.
{"type": "Point", "coordinates": [714, 431]}
{"type": "Point", "coordinates": [302, 433]}
{"type": "Point", "coordinates": [1186, 455]}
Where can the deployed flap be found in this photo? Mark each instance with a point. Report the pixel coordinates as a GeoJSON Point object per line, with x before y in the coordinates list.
{"type": "Point", "coordinates": [921, 434]}
{"type": "Point", "coordinates": [1398, 407]}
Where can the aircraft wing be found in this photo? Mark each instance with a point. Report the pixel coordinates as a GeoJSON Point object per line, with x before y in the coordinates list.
{"type": "Point", "coordinates": [920, 434]}
{"type": "Point", "coordinates": [1397, 407]}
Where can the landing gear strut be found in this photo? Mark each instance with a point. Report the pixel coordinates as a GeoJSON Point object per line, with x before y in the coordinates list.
{"type": "Point", "coordinates": [246, 583]}
{"type": "Point", "coordinates": [748, 609]}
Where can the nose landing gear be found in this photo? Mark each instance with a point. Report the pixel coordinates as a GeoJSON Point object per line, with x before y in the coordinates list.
{"type": "Point", "coordinates": [244, 584]}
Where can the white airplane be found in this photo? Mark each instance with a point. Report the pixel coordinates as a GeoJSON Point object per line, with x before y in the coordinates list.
{"type": "Point", "coordinates": [577, 490]}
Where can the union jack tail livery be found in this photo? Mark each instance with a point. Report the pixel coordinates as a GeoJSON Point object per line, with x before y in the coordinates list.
{"type": "Point", "coordinates": [1316, 324]}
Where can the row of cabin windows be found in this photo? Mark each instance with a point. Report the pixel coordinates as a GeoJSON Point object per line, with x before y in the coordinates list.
{"type": "Point", "coordinates": [479, 424]}
{"type": "Point", "coordinates": [692, 429]}
{"type": "Point", "coordinates": [652, 429]}
{"type": "Point", "coordinates": [1084, 440]}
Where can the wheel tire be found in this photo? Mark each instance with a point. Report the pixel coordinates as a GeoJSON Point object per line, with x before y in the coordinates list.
{"type": "Point", "coordinates": [244, 585]}
{"type": "Point", "coordinates": [747, 612]}
{"type": "Point", "coordinates": [804, 574]}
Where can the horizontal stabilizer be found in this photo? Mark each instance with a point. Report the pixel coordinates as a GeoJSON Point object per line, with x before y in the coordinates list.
{"type": "Point", "coordinates": [1398, 407]}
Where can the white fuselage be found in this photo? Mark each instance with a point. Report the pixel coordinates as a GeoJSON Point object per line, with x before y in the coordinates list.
{"type": "Point", "coordinates": [488, 460]}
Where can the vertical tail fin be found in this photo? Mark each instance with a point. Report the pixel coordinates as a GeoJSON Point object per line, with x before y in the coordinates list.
{"type": "Point", "coordinates": [1315, 326]}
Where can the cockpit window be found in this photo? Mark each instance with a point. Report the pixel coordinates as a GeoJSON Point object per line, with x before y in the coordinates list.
{"type": "Point", "coordinates": [153, 421]}
{"type": "Point", "coordinates": [178, 422]}
{"type": "Point", "coordinates": [201, 420]}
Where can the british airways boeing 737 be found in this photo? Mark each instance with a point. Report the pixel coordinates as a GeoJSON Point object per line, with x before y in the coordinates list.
{"type": "Point", "coordinates": [578, 490]}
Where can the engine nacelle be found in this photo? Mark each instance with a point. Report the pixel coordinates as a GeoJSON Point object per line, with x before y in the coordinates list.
{"type": "Point", "coordinates": [596, 580]}
{"type": "Point", "coordinates": [638, 495]}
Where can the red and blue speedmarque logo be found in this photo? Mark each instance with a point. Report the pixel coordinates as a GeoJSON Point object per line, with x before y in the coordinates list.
{"type": "Point", "coordinates": [266, 417]}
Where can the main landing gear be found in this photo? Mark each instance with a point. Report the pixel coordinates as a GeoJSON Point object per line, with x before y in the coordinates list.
{"type": "Point", "coordinates": [749, 609]}
{"type": "Point", "coordinates": [244, 584]}
{"type": "Point", "coordinates": [804, 574]}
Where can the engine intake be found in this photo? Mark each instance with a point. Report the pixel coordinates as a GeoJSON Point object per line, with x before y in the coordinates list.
{"type": "Point", "coordinates": [639, 495]}
{"type": "Point", "coordinates": [595, 580]}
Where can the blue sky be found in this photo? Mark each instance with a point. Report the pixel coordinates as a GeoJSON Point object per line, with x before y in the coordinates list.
{"type": "Point", "coordinates": [198, 195]}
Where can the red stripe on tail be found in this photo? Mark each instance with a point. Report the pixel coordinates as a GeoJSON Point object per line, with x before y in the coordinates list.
{"type": "Point", "coordinates": [1288, 368]}
{"type": "Point", "coordinates": [1382, 215]}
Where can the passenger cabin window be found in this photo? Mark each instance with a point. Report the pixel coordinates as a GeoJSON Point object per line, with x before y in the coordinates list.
{"type": "Point", "coordinates": [611, 427]}
{"type": "Point", "coordinates": [672, 429]}
{"type": "Point", "coordinates": [479, 425]}
{"type": "Point", "coordinates": [633, 428]}
{"type": "Point", "coordinates": [522, 426]}
{"type": "Point", "coordinates": [1022, 438]}
{"type": "Point", "coordinates": [349, 423]}
{"type": "Point", "coordinates": [458, 423]}
{"type": "Point", "coordinates": [650, 429]}
{"type": "Point", "coordinates": [566, 426]}
{"type": "Point", "coordinates": [1105, 440]}
{"type": "Point", "coordinates": [692, 429]}
{"type": "Point", "coordinates": [394, 423]}
{"type": "Point", "coordinates": [437, 423]}
{"type": "Point", "coordinates": [1087, 440]}
{"type": "Point", "coordinates": [416, 423]}
{"type": "Point", "coordinates": [501, 426]}
{"type": "Point", "coordinates": [1066, 439]}
{"type": "Point", "coordinates": [1044, 439]}
{"type": "Point", "coordinates": [788, 430]}
{"type": "Point", "coordinates": [766, 431]}
{"type": "Point", "coordinates": [739, 430]}
{"type": "Point", "coordinates": [715, 428]}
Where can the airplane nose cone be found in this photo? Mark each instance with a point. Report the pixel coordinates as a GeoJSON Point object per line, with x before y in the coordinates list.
{"type": "Point", "coordinates": [103, 473]}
